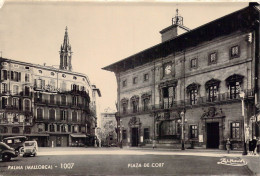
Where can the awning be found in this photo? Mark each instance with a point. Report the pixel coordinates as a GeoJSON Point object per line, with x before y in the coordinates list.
{"type": "Point", "coordinates": [37, 135]}
{"type": "Point", "coordinates": [78, 135]}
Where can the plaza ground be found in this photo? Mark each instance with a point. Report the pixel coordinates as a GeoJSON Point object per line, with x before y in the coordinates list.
{"type": "Point", "coordinates": [129, 161]}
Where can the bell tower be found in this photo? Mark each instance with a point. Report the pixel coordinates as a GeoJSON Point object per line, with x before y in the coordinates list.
{"type": "Point", "coordinates": [65, 53]}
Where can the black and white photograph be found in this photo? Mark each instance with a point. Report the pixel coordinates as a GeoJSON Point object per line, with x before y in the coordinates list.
{"type": "Point", "coordinates": [129, 87]}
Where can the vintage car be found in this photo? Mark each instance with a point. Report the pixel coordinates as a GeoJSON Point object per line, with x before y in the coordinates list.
{"type": "Point", "coordinates": [6, 152]}
{"type": "Point", "coordinates": [15, 142]}
{"type": "Point", "coordinates": [30, 148]}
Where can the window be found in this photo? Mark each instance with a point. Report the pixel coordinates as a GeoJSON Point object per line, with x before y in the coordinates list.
{"type": "Point", "coordinates": [52, 73]}
{"type": "Point", "coordinates": [15, 89]}
{"type": "Point", "coordinates": [15, 130]}
{"type": "Point", "coordinates": [4, 88]}
{"type": "Point", "coordinates": [39, 83]}
{"type": "Point", "coordinates": [69, 128]}
{"type": "Point", "coordinates": [4, 130]}
{"type": "Point", "coordinates": [63, 115]}
{"type": "Point", "coordinates": [52, 128]}
{"type": "Point", "coordinates": [40, 71]}
{"type": "Point", "coordinates": [75, 100]}
{"type": "Point", "coordinates": [234, 83]}
{"type": "Point", "coordinates": [74, 116]}
{"type": "Point", "coordinates": [124, 83]}
{"type": "Point", "coordinates": [124, 134]}
{"type": "Point", "coordinates": [26, 90]}
{"type": "Point", "coordinates": [52, 114]}
{"type": "Point", "coordinates": [193, 131]}
{"type": "Point", "coordinates": [27, 68]}
{"type": "Point", "coordinates": [212, 58]}
{"type": "Point", "coordinates": [4, 75]}
{"type": "Point", "coordinates": [193, 63]}
{"type": "Point", "coordinates": [169, 129]}
{"type": "Point", "coordinates": [52, 99]}
{"type": "Point", "coordinates": [4, 102]}
{"type": "Point", "coordinates": [167, 69]}
{"type": "Point", "coordinates": [124, 106]}
{"type": "Point", "coordinates": [27, 77]}
{"type": "Point", "coordinates": [58, 127]}
{"type": "Point", "coordinates": [235, 130]}
{"type": "Point", "coordinates": [212, 87]}
{"type": "Point", "coordinates": [135, 80]}
{"type": "Point", "coordinates": [27, 106]}
{"type": "Point", "coordinates": [146, 104]}
{"type": "Point", "coordinates": [39, 113]}
{"type": "Point", "coordinates": [74, 77]}
{"type": "Point", "coordinates": [15, 103]}
{"type": "Point", "coordinates": [15, 76]}
{"type": "Point", "coordinates": [146, 133]}
{"type": "Point", "coordinates": [27, 130]}
{"type": "Point", "coordinates": [234, 89]}
{"type": "Point", "coordinates": [63, 99]}
{"type": "Point", "coordinates": [146, 77]}
{"type": "Point", "coordinates": [192, 90]}
{"type": "Point", "coordinates": [234, 52]}
{"type": "Point", "coordinates": [168, 96]}
{"type": "Point", "coordinates": [63, 128]}
{"type": "Point", "coordinates": [135, 106]}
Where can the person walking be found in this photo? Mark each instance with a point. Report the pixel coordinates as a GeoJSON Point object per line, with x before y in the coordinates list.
{"type": "Point", "coordinates": [228, 145]}
{"type": "Point", "coordinates": [254, 141]}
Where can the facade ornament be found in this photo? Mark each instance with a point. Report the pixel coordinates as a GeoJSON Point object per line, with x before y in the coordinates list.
{"type": "Point", "coordinates": [213, 112]}
{"type": "Point", "coordinates": [134, 121]}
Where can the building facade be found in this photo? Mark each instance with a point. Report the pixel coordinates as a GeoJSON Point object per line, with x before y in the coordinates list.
{"type": "Point", "coordinates": [53, 106]}
{"type": "Point", "coordinates": [107, 127]}
{"type": "Point", "coordinates": [194, 81]}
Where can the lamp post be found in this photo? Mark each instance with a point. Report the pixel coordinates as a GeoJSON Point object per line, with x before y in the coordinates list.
{"type": "Point", "coordinates": [242, 95]}
{"type": "Point", "coordinates": [182, 122]}
{"type": "Point", "coordinates": [121, 135]}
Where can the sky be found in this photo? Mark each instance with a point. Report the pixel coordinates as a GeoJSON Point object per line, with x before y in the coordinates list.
{"type": "Point", "coordinates": [100, 33]}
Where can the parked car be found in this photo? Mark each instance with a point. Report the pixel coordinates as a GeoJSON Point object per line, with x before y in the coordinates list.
{"type": "Point", "coordinates": [15, 142]}
{"type": "Point", "coordinates": [6, 152]}
{"type": "Point", "coordinates": [30, 148]}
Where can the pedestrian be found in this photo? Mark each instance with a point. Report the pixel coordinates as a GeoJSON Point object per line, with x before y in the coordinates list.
{"type": "Point", "coordinates": [228, 143]}
{"type": "Point", "coordinates": [254, 145]}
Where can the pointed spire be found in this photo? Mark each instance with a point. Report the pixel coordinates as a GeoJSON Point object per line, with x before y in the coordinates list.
{"type": "Point", "coordinates": [65, 53]}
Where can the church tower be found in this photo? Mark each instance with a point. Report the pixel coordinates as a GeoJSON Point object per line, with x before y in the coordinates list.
{"type": "Point", "coordinates": [65, 53]}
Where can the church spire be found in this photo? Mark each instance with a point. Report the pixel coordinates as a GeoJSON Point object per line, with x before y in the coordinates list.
{"type": "Point", "coordinates": [65, 53]}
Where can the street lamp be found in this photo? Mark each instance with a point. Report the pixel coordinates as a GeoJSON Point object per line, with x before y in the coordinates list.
{"type": "Point", "coordinates": [242, 96]}
{"type": "Point", "coordinates": [182, 122]}
{"type": "Point", "coordinates": [121, 134]}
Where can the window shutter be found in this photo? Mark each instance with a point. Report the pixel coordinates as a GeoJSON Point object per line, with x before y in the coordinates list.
{"type": "Point", "coordinates": [231, 132]}
{"type": "Point", "coordinates": [19, 76]}
{"type": "Point", "coordinates": [12, 75]}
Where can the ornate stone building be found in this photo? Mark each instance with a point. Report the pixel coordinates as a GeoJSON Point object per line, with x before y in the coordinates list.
{"type": "Point", "coordinates": [54, 106]}
{"type": "Point", "coordinates": [196, 76]}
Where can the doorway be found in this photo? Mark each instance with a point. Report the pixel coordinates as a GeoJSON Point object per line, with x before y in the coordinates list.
{"type": "Point", "coordinates": [213, 135]}
{"type": "Point", "coordinates": [135, 137]}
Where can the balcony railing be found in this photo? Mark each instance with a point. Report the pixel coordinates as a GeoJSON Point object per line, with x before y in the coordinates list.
{"type": "Point", "coordinates": [204, 100]}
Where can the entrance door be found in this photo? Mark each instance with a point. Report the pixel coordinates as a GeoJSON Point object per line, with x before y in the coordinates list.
{"type": "Point", "coordinates": [213, 135]}
{"type": "Point", "coordinates": [135, 137]}
{"type": "Point", "coordinates": [58, 141]}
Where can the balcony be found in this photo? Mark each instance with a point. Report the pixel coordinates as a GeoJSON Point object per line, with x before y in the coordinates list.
{"type": "Point", "coordinates": [200, 101]}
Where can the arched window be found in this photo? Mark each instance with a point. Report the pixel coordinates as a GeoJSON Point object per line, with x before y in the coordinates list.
{"type": "Point", "coordinates": [212, 87]}
{"type": "Point", "coordinates": [192, 91]}
{"type": "Point", "coordinates": [124, 105]}
{"type": "Point", "coordinates": [74, 116]}
{"type": "Point", "coordinates": [52, 114]}
{"type": "Point", "coordinates": [15, 130]}
{"type": "Point", "coordinates": [234, 83]}
{"type": "Point", "coordinates": [146, 101]}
